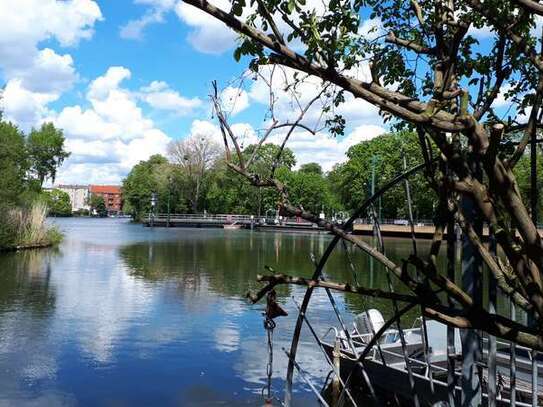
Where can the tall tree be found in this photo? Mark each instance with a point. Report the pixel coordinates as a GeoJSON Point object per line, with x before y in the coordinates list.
{"type": "Point", "coordinates": [156, 175]}
{"type": "Point", "coordinates": [195, 155]}
{"type": "Point", "coordinates": [58, 203]}
{"type": "Point", "coordinates": [98, 205]}
{"type": "Point", "coordinates": [311, 168]}
{"type": "Point", "coordinates": [13, 163]}
{"type": "Point", "coordinates": [46, 151]}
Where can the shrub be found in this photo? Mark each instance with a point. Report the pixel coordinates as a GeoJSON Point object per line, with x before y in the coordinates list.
{"type": "Point", "coordinates": [27, 227]}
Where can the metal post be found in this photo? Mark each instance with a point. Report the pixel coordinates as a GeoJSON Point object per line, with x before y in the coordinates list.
{"type": "Point", "coordinates": [153, 203]}
{"type": "Point", "coordinates": [512, 362]}
{"type": "Point", "coordinates": [472, 284]}
{"type": "Point", "coordinates": [451, 331]}
{"type": "Point", "coordinates": [492, 298]}
{"type": "Point", "coordinates": [336, 385]}
{"type": "Point", "coordinates": [534, 209]}
{"type": "Point", "coordinates": [169, 196]}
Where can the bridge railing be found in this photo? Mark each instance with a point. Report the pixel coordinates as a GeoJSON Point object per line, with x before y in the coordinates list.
{"type": "Point", "coordinates": [218, 218]}
{"type": "Point", "coordinates": [246, 219]}
{"type": "Point", "coordinates": [400, 222]}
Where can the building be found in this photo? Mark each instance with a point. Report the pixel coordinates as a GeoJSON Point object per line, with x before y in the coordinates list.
{"type": "Point", "coordinates": [112, 195]}
{"type": "Point", "coordinates": [79, 196]}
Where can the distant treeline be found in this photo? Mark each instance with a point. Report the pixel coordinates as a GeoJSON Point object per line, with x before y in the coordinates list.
{"type": "Point", "coordinates": [195, 178]}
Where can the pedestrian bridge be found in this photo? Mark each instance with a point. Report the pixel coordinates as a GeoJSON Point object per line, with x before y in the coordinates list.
{"type": "Point", "coordinates": [198, 220]}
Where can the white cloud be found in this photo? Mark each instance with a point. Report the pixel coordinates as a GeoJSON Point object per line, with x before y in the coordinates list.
{"type": "Point", "coordinates": [159, 96]}
{"type": "Point", "coordinates": [39, 76]}
{"type": "Point", "coordinates": [320, 147]}
{"type": "Point", "coordinates": [500, 100]}
{"type": "Point", "coordinates": [22, 106]}
{"type": "Point", "coordinates": [155, 14]}
{"type": "Point", "coordinates": [234, 100]}
{"type": "Point", "coordinates": [288, 105]}
{"type": "Point", "coordinates": [325, 149]}
{"type": "Point", "coordinates": [67, 21]}
{"type": "Point", "coordinates": [209, 35]}
{"type": "Point", "coordinates": [371, 28]}
{"type": "Point", "coordinates": [111, 136]}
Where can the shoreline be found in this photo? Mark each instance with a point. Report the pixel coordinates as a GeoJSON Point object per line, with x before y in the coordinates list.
{"type": "Point", "coordinates": [26, 247]}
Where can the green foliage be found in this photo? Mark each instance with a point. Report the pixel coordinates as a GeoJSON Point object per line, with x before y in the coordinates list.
{"type": "Point", "coordinates": [309, 189]}
{"type": "Point", "coordinates": [522, 173]}
{"type": "Point", "coordinates": [311, 168]}
{"type": "Point", "coordinates": [343, 188]}
{"type": "Point", "coordinates": [159, 176]}
{"type": "Point", "coordinates": [23, 208]}
{"type": "Point", "coordinates": [98, 205]}
{"type": "Point", "coordinates": [13, 163]}
{"type": "Point", "coordinates": [58, 203]}
{"type": "Point", "coordinates": [384, 154]}
{"type": "Point", "coordinates": [267, 156]}
{"type": "Point", "coordinates": [27, 227]}
{"type": "Point", "coordinates": [46, 151]}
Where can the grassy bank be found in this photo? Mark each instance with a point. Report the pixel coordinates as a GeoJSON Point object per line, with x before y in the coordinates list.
{"type": "Point", "coordinates": [27, 228]}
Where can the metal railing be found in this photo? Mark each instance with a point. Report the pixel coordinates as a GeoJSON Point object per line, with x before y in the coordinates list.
{"type": "Point", "coordinates": [200, 217]}
{"type": "Point", "coordinates": [234, 218]}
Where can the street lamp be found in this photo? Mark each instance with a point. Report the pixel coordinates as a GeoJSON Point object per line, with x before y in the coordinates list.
{"type": "Point", "coordinates": [153, 204]}
{"type": "Point", "coordinates": [169, 196]}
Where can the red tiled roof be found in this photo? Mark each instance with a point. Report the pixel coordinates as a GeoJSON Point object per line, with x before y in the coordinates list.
{"type": "Point", "coordinates": [105, 189]}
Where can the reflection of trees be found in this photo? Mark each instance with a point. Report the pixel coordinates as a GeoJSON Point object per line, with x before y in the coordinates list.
{"type": "Point", "coordinates": [27, 301]}
{"type": "Point", "coordinates": [25, 281]}
{"type": "Point", "coordinates": [227, 262]}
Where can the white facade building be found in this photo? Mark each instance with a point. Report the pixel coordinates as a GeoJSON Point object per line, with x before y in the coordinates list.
{"type": "Point", "coordinates": [79, 196]}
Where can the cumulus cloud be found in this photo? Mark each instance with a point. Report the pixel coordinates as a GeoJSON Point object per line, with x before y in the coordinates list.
{"type": "Point", "coordinates": [290, 101]}
{"type": "Point", "coordinates": [208, 34]}
{"type": "Point", "coordinates": [110, 136]}
{"type": "Point", "coordinates": [160, 96]}
{"type": "Point", "coordinates": [320, 147]}
{"type": "Point", "coordinates": [36, 77]}
{"type": "Point", "coordinates": [234, 100]}
{"type": "Point", "coordinates": [24, 107]}
{"type": "Point", "coordinates": [155, 14]}
{"type": "Point", "coordinates": [325, 149]}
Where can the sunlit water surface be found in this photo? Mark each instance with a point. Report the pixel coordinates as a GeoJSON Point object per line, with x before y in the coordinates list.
{"type": "Point", "coordinates": [122, 315]}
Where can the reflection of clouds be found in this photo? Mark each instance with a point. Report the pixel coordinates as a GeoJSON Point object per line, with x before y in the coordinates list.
{"type": "Point", "coordinates": [103, 301]}
{"type": "Point", "coordinates": [156, 307]}
{"type": "Point", "coordinates": [251, 365]}
{"type": "Point", "coordinates": [22, 345]}
{"type": "Point", "coordinates": [227, 338]}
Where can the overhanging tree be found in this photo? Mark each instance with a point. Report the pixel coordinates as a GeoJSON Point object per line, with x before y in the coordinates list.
{"type": "Point", "coordinates": [425, 70]}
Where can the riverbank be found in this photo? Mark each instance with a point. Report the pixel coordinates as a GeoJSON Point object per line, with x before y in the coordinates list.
{"type": "Point", "coordinates": [27, 228]}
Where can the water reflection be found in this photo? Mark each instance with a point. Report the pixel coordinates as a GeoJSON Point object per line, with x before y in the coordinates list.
{"type": "Point", "coordinates": [123, 314]}
{"type": "Point", "coordinates": [27, 304]}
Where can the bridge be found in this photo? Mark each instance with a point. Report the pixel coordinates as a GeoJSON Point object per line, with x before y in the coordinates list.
{"type": "Point", "coordinates": [200, 220]}
{"type": "Point", "coordinates": [389, 227]}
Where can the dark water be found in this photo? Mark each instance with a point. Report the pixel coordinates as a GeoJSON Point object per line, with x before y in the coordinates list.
{"type": "Point", "coordinates": [125, 315]}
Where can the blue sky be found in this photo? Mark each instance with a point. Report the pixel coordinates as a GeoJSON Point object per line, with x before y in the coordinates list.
{"type": "Point", "coordinates": [125, 78]}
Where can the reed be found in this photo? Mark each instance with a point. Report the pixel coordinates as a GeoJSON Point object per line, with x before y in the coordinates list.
{"type": "Point", "coordinates": [27, 227]}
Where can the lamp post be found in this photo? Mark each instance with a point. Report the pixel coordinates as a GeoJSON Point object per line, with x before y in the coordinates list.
{"type": "Point", "coordinates": [153, 204]}
{"type": "Point", "coordinates": [169, 196]}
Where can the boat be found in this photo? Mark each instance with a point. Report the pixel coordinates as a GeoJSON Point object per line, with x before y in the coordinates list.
{"type": "Point", "coordinates": [233, 226]}
{"type": "Point", "coordinates": [385, 364]}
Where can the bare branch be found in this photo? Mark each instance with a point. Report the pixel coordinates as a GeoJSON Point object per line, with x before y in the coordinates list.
{"type": "Point", "coordinates": [277, 279]}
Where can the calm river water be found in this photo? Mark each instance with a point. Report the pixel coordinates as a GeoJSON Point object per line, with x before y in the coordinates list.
{"type": "Point", "coordinates": [123, 315]}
